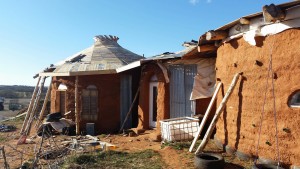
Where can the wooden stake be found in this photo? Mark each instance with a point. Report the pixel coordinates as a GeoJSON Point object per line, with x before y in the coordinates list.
{"type": "Point", "coordinates": [30, 106]}
{"type": "Point", "coordinates": [218, 113]}
{"type": "Point", "coordinates": [130, 110]}
{"type": "Point", "coordinates": [216, 35]}
{"type": "Point", "coordinates": [204, 119]}
{"type": "Point", "coordinates": [44, 104]}
{"type": "Point", "coordinates": [6, 166]}
{"type": "Point", "coordinates": [76, 107]}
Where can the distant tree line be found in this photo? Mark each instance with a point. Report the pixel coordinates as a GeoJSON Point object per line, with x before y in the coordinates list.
{"type": "Point", "coordinates": [17, 91]}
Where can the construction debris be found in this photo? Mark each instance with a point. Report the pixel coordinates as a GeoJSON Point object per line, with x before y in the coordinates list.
{"type": "Point", "coordinates": [7, 128]}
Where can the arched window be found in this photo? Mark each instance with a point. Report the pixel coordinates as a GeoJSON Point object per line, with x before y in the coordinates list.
{"type": "Point", "coordinates": [294, 100]}
{"type": "Point", "coordinates": [90, 103]}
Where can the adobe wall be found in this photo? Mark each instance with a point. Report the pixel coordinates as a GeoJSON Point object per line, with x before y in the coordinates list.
{"type": "Point", "coordinates": [238, 126]}
{"type": "Point", "coordinates": [163, 99]}
{"type": "Point", "coordinates": [163, 107]}
{"type": "Point", "coordinates": [108, 100]}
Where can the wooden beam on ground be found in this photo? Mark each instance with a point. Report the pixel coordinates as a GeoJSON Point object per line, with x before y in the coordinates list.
{"type": "Point", "coordinates": [30, 106]}
{"type": "Point", "coordinates": [130, 109]}
{"type": "Point", "coordinates": [218, 113]}
{"type": "Point", "coordinates": [76, 107]}
{"type": "Point", "coordinates": [207, 47]}
{"type": "Point", "coordinates": [273, 13]}
{"type": "Point", "coordinates": [216, 35]}
{"type": "Point", "coordinates": [244, 21]}
{"type": "Point", "coordinates": [44, 104]}
{"type": "Point", "coordinates": [206, 115]}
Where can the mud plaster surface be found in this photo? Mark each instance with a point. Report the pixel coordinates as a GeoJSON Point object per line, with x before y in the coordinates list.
{"type": "Point", "coordinates": [163, 99]}
{"type": "Point", "coordinates": [108, 87]}
{"type": "Point", "coordinates": [238, 126]}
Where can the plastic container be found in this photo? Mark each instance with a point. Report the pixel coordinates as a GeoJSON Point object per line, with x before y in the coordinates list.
{"type": "Point", "coordinates": [179, 129]}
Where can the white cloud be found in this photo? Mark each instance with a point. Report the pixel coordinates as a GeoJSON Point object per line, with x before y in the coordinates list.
{"type": "Point", "coordinates": [194, 2]}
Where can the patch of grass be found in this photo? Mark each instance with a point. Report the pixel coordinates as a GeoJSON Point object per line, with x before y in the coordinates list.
{"type": "Point", "coordinates": [116, 159]}
{"type": "Point", "coordinates": [177, 145]}
{"type": "Point", "coordinates": [2, 138]}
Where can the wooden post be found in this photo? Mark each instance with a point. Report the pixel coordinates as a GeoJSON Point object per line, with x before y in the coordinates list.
{"type": "Point", "coordinates": [34, 109]}
{"type": "Point", "coordinates": [218, 113]}
{"type": "Point", "coordinates": [30, 106]}
{"type": "Point", "coordinates": [6, 166]}
{"type": "Point", "coordinates": [44, 104]}
{"type": "Point", "coordinates": [76, 107]}
{"type": "Point", "coordinates": [207, 47]}
{"type": "Point", "coordinates": [130, 110]}
{"type": "Point", "coordinates": [212, 101]}
{"type": "Point", "coordinates": [216, 35]}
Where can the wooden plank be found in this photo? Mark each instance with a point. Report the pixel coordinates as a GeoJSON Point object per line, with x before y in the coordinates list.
{"type": "Point", "coordinates": [212, 101]}
{"type": "Point", "coordinates": [76, 106]}
{"type": "Point", "coordinates": [218, 113]}
{"type": "Point", "coordinates": [130, 110]}
{"type": "Point", "coordinates": [30, 106]}
{"type": "Point", "coordinates": [216, 35]}
{"type": "Point", "coordinates": [34, 109]}
{"type": "Point", "coordinates": [44, 104]}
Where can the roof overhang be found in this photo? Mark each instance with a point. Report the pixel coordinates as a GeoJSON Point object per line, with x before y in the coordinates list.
{"type": "Point", "coordinates": [97, 72]}
{"type": "Point", "coordinates": [129, 66]}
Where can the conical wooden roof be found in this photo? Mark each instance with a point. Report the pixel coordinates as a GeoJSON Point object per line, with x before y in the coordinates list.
{"type": "Point", "coordinates": [105, 56]}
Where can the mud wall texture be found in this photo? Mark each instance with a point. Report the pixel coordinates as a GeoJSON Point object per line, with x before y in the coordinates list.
{"type": "Point", "coordinates": [108, 87]}
{"type": "Point", "coordinates": [238, 126]}
{"type": "Point", "coordinates": [163, 107]}
{"type": "Point", "coordinates": [163, 98]}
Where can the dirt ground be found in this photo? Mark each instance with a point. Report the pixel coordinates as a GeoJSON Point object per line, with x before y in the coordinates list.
{"type": "Point", "coordinates": [172, 156]}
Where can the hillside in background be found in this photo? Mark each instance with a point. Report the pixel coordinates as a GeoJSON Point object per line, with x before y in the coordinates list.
{"type": "Point", "coordinates": [17, 91]}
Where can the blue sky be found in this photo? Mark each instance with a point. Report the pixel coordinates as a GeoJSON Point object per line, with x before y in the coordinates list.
{"type": "Point", "coordinates": [37, 33]}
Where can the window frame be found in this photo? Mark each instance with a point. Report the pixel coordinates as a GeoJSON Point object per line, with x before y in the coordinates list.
{"type": "Point", "coordinates": [90, 96]}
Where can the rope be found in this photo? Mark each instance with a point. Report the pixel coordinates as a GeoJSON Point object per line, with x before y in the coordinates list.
{"type": "Point", "coordinates": [270, 72]}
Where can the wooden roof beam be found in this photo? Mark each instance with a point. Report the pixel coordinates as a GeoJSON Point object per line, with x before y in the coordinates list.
{"type": "Point", "coordinates": [273, 13]}
{"type": "Point", "coordinates": [207, 47]}
{"type": "Point", "coordinates": [244, 21]}
{"type": "Point", "coordinates": [216, 35]}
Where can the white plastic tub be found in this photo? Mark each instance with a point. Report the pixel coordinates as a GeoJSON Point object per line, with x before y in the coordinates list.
{"type": "Point", "coordinates": [179, 129]}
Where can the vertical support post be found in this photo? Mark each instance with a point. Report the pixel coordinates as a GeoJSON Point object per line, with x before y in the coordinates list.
{"type": "Point", "coordinates": [45, 104]}
{"type": "Point", "coordinates": [76, 107]}
{"type": "Point", "coordinates": [30, 106]}
{"type": "Point", "coordinates": [206, 115]}
{"type": "Point", "coordinates": [218, 113]}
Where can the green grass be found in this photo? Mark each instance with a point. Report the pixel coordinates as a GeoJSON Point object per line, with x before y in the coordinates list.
{"type": "Point", "coordinates": [177, 145]}
{"type": "Point", "coordinates": [149, 159]}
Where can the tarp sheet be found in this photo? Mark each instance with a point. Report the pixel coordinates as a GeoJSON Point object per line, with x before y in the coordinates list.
{"type": "Point", "coordinates": [205, 79]}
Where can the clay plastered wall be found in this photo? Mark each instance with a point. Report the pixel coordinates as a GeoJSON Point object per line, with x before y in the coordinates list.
{"type": "Point", "coordinates": [162, 97]}
{"type": "Point", "coordinates": [239, 125]}
{"type": "Point", "coordinates": [108, 100]}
